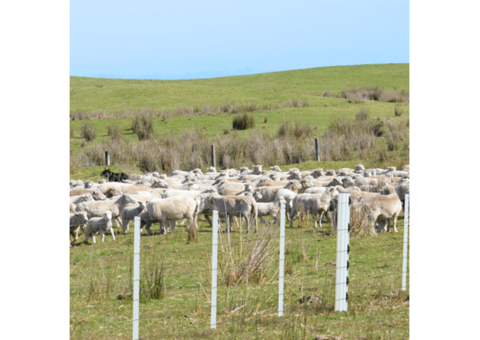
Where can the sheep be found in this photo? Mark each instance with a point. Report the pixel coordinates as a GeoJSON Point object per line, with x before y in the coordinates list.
{"type": "Point", "coordinates": [77, 221]}
{"type": "Point", "coordinates": [270, 209]}
{"type": "Point", "coordinates": [77, 192]}
{"type": "Point", "coordinates": [74, 200]}
{"type": "Point", "coordinates": [97, 208]}
{"type": "Point", "coordinates": [312, 203]}
{"type": "Point", "coordinates": [100, 225]}
{"type": "Point", "coordinates": [98, 196]}
{"type": "Point", "coordinates": [129, 213]}
{"type": "Point", "coordinates": [239, 206]}
{"type": "Point", "coordinates": [172, 209]}
{"type": "Point", "coordinates": [276, 168]}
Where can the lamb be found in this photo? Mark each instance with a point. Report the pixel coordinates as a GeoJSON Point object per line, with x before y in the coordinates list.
{"type": "Point", "coordinates": [97, 208]}
{"type": "Point", "coordinates": [129, 213]}
{"type": "Point", "coordinates": [270, 209]}
{"type": "Point", "coordinates": [312, 203]}
{"type": "Point", "coordinates": [77, 221]}
{"type": "Point", "coordinates": [100, 225]}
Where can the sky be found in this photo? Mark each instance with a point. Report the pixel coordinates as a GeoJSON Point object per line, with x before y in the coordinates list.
{"type": "Point", "coordinates": [205, 39]}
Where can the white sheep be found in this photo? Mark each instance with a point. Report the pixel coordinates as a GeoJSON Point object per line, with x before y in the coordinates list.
{"type": "Point", "coordinates": [129, 213]}
{"type": "Point", "coordinates": [270, 209]}
{"type": "Point", "coordinates": [99, 225]}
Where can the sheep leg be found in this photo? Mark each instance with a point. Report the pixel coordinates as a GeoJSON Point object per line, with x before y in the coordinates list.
{"type": "Point", "coordinates": [148, 224]}
{"type": "Point", "coordinates": [208, 220]}
{"type": "Point", "coordinates": [292, 215]}
{"type": "Point", "coordinates": [102, 236]}
{"type": "Point", "coordinates": [125, 225]}
{"type": "Point", "coordinates": [93, 237]}
{"type": "Point", "coordinates": [113, 233]}
{"type": "Point", "coordinates": [395, 224]}
{"type": "Point", "coordinates": [263, 221]}
{"type": "Point", "coordinates": [321, 215]}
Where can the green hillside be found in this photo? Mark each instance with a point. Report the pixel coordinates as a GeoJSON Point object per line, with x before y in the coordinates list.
{"type": "Point", "coordinates": [90, 94]}
{"type": "Point", "coordinates": [271, 98]}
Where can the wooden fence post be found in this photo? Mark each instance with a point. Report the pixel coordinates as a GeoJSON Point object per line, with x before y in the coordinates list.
{"type": "Point", "coordinates": [107, 158]}
{"type": "Point", "coordinates": [317, 151]}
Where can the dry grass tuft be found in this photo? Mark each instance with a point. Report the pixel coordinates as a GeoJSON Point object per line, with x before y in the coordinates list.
{"type": "Point", "coordinates": [142, 125]}
{"type": "Point", "coordinates": [88, 132]}
{"type": "Point", "coordinates": [243, 121]}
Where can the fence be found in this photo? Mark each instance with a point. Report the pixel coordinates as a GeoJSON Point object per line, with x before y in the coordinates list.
{"type": "Point", "coordinates": [279, 282]}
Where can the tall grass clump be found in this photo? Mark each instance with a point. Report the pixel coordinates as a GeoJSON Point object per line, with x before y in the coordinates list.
{"type": "Point", "coordinates": [114, 131]}
{"type": "Point", "coordinates": [152, 285]}
{"type": "Point", "coordinates": [248, 264]}
{"type": "Point", "coordinates": [88, 132]}
{"type": "Point", "coordinates": [142, 125]}
{"type": "Point", "coordinates": [363, 114]}
{"type": "Point", "coordinates": [398, 111]}
{"type": "Point", "coordinates": [297, 130]}
{"type": "Point", "coordinates": [243, 121]}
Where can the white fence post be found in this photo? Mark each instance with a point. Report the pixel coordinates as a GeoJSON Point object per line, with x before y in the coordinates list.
{"type": "Point", "coordinates": [341, 286]}
{"type": "Point", "coordinates": [405, 244]}
{"type": "Point", "coordinates": [213, 312]}
{"type": "Point", "coordinates": [136, 276]}
{"type": "Point", "coordinates": [281, 261]}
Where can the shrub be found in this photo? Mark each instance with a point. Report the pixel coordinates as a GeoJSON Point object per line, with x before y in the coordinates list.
{"type": "Point", "coordinates": [88, 132]}
{"type": "Point", "coordinates": [243, 121]}
{"type": "Point", "coordinates": [265, 120]}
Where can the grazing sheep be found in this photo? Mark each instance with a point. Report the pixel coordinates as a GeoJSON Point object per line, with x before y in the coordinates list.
{"type": "Point", "coordinates": [77, 221]}
{"type": "Point", "coordinates": [99, 225]}
{"type": "Point", "coordinates": [314, 204]}
{"type": "Point", "coordinates": [129, 213]}
{"type": "Point", "coordinates": [227, 206]}
{"type": "Point", "coordinates": [97, 208]}
{"type": "Point", "coordinates": [172, 209]}
{"type": "Point", "coordinates": [270, 209]}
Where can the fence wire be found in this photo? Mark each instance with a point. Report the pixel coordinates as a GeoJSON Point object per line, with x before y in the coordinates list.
{"type": "Point", "coordinates": [173, 287]}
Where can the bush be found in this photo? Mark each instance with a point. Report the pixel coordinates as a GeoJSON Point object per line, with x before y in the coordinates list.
{"type": "Point", "coordinates": [243, 121]}
{"type": "Point", "coordinates": [88, 132]}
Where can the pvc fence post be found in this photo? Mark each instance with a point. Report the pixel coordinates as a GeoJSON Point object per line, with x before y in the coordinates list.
{"type": "Point", "coordinates": [136, 276]}
{"type": "Point", "coordinates": [281, 261]}
{"type": "Point", "coordinates": [405, 244]}
{"type": "Point", "coordinates": [214, 161]}
{"type": "Point", "coordinates": [341, 286]}
{"type": "Point", "coordinates": [213, 312]}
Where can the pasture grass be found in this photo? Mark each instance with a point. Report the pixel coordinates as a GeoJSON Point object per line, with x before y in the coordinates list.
{"type": "Point", "coordinates": [101, 307]}
{"type": "Point", "coordinates": [94, 94]}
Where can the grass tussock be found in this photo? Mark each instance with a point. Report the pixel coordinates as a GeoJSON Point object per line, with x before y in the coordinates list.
{"type": "Point", "coordinates": [142, 125]}
{"type": "Point", "coordinates": [382, 141]}
{"type": "Point", "coordinates": [251, 263]}
{"type": "Point", "coordinates": [243, 121]}
{"type": "Point", "coordinates": [398, 111]}
{"type": "Point", "coordinates": [114, 131]}
{"type": "Point", "coordinates": [88, 131]}
{"type": "Point", "coordinates": [152, 284]}
{"type": "Point", "coordinates": [363, 114]}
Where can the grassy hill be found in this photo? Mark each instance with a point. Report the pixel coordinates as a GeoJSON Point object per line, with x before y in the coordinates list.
{"type": "Point", "coordinates": [180, 105]}
{"type": "Point", "coordinates": [89, 94]}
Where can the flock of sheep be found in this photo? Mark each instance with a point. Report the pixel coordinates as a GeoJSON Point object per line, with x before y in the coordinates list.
{"type": "Point", "coordinates": [246, 194]}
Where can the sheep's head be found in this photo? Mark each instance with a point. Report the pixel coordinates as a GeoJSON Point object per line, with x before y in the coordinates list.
{"type": "Point", "coordinates": [107, 214]}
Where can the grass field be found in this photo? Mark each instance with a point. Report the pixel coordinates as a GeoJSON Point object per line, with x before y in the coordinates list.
{"type": "Point", "coordinates": [118, 101]}
{"type": "Point", "coordinates": [378, 309]}
{"type": "Point", "coordinates": [91, 94]}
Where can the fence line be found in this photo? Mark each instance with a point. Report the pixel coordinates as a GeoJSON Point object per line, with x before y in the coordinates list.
{"type": "Point", "coordinates": [341, 267]}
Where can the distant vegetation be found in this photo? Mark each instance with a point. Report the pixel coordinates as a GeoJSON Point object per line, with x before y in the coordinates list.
{"type": "Point", "coordinates": [359, 113]}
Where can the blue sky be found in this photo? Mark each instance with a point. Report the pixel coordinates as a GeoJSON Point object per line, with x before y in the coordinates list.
{"type": "Point", "coordinates": [203, 39]}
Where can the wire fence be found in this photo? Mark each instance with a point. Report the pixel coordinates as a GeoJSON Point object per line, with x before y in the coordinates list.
{"type": "Point", "coordinates": [175, 292]}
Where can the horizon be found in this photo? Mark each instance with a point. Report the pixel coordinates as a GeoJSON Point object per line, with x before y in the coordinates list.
{"type": "Point", "coordinates": [190, 40]}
